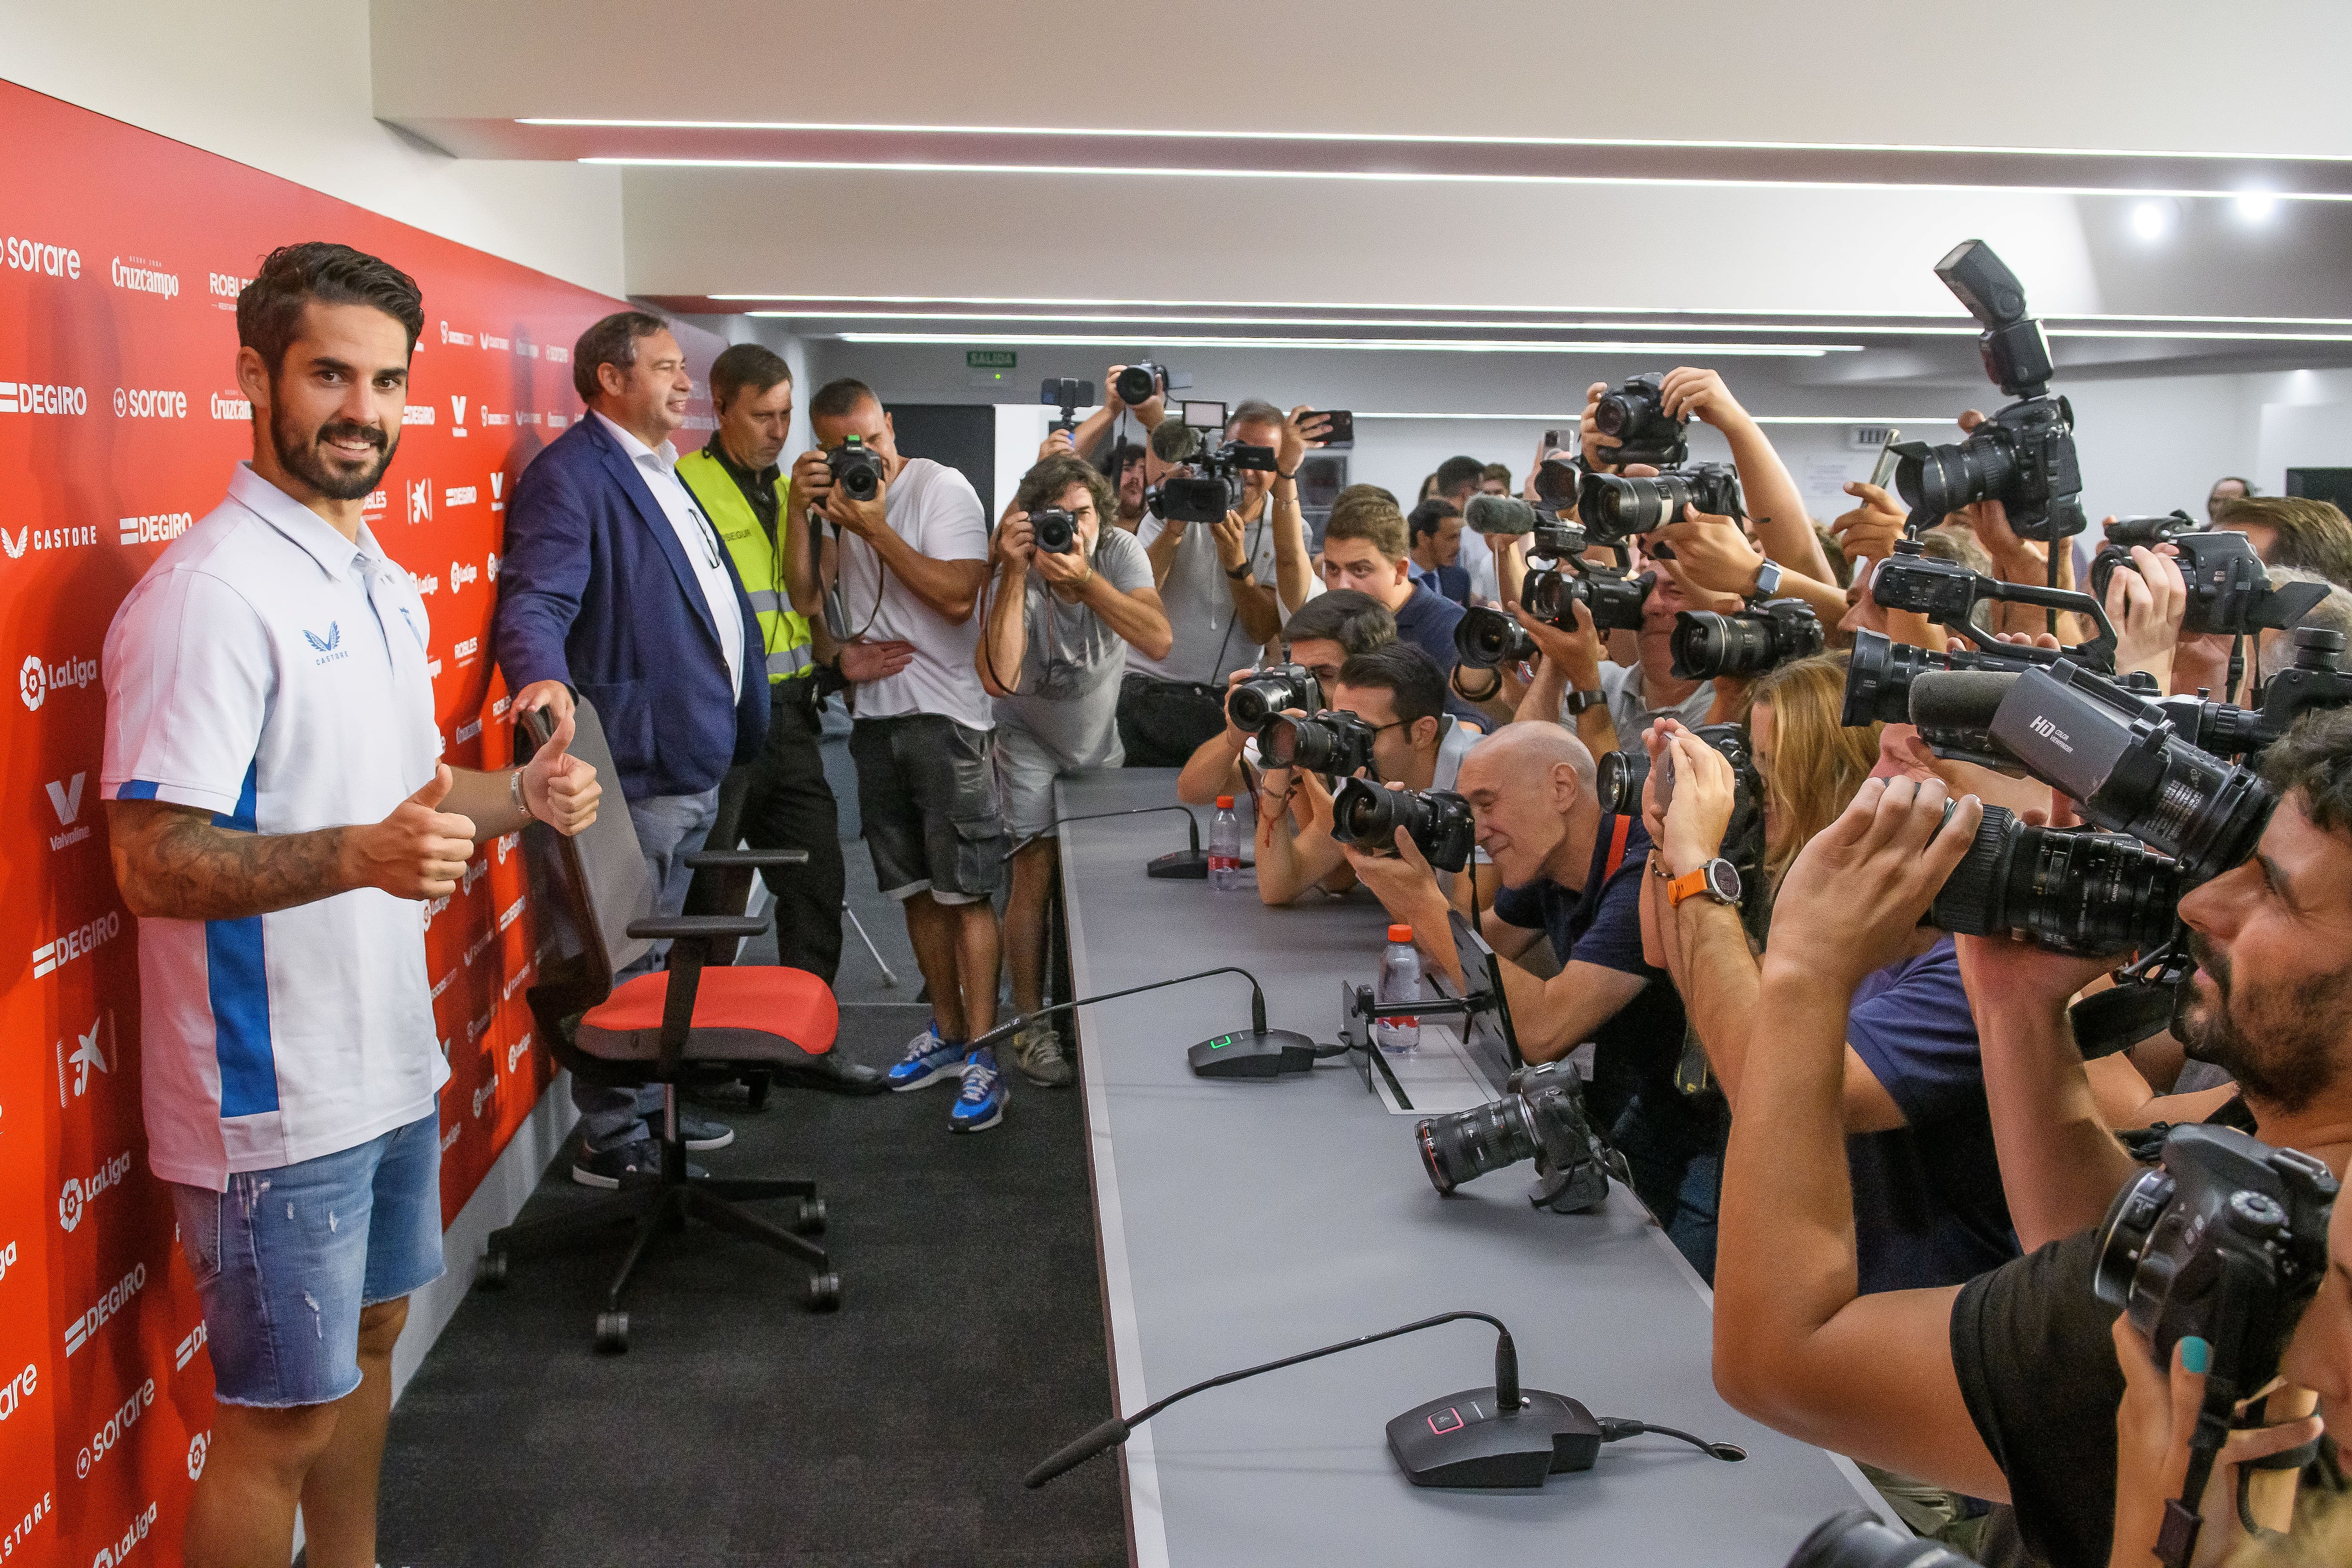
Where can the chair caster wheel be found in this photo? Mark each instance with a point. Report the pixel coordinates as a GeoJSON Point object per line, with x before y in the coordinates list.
{"type": "Point", "coordinates": [758, 1084]}
{"type": "Point", "coordinates": [613, 1333]}
{"type": "Point", "coordinates": [812, 1219]}
{"type": "Point", "coordinates": [490, 1272]}
{"type": "Point", "coordinates": [824, 1292]}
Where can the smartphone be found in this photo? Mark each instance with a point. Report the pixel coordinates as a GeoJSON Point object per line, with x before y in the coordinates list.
{"type": "Point", "coordinates": [1204, 416]}
{"type": "Point", "coordinates": [1665, 770]}
{"type": "Point", "coordinates": [1551, 441]}
{"type": "Point", "coordinates": [1343, 430]}
{"type": "Point", "coordinates": [1882, 474]}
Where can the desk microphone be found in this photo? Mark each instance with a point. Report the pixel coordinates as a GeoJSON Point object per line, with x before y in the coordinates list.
{"type": "Point", "coordinates": [1260, 1053]}
{"type": "Point", "coordinates": [1500, 1435]}
{"type": "Point", "coordinates": [1182, 865]}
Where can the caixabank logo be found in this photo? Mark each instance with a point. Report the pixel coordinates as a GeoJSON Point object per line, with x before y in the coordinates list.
{"type": "Point", "coordinates": [38, 681]}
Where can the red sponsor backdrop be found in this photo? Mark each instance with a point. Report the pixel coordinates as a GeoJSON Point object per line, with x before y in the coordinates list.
{"type": "Point", "coordinates": [120, 420]}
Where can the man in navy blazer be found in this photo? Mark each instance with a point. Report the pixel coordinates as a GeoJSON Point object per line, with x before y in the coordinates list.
{"type": "Point", "coordinates": [615, 584]}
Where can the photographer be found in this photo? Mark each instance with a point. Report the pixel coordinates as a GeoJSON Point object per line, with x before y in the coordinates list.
{"type": "Point", "coordinates": [2009, 1387]}
{"type": "Point", "coordinates": [1435, 527]}
{"type": "Point", "coordinates": [1050, 654]}
{"type": "Point", "coordinates": [1365, 548]}
{"type": "Point", "coordinates": [912, 558]}
{"type": "Point", "coordinates": [1398, 691]}
{"type": "Point", "coordinates": [1225, 586]}
{"type": "Point", "coordinates": [1323, 634]}
{"type": "Point", "coordinates": [1927, 1200]}
{"type": "Point", "coordinates": [1573, 874]}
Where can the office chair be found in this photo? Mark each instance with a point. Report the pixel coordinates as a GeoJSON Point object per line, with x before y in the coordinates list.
{"type": "Point", "coordinates": [703, 1019]}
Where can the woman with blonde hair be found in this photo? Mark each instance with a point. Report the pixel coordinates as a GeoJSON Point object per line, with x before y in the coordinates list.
{"type": "Point", "coordinates": [1811, 764]}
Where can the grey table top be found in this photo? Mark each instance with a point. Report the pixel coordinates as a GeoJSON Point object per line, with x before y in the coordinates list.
{"type": "Point", "coordinates": [1244, 1221]}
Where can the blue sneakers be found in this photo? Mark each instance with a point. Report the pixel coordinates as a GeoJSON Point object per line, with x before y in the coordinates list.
{"type": "Point", "coordinates": [980, 1105]}
{"type": "Point", "coordinates": [928, 1059]}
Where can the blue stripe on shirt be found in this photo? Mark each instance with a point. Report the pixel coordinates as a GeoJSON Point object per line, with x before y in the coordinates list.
{"type": "Point", "coordinates": [238, 982]}
{"type": "Point", "coordinates": [135, 789]}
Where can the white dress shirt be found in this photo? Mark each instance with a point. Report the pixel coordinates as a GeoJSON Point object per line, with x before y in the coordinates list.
{"type": "Point", "coordinates": [658, 467]}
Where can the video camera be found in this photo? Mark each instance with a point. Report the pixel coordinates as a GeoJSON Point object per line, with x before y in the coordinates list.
{"type": "Point", "coordinates": [1879, 673]}
{"type": "Point", "coordinates": [856, 469]}
{"type": "Point", "coordinates": [1272, 690]}
{"type": "Point", "coordinates": [2230, 589]}
{"type": "Point", "coordinates": [1055, 530]}
{"type": "Point", "coordinates": [2126, 531]}
{"type": "Point", "coordinates": [2023, 457]}
{"type": "Point", "coordinates": [1613, 507]}
{"type": "Point", "coordinates": [1368, 815]}
{"type": "Point", "coordinates": [1069, 394]}
{"type": "Point", "coordinates": [1948, 593]}
{"type": "Point", "coordinates": [1542, 1117]}
{"type": "Point", "coordinates": [1707, 645]}
{"type": "Point", "coordinates": [1635, 414]}
{"type": "Point", "coordinates": [1213, 488]}
{"type": "Point", "coordinates": [1333, 743]}
{"type": "Point", "coordinates": [2316, 679]}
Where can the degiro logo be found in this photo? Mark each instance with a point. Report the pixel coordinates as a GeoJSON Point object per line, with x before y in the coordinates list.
{"type": "Point", "coordinates": [36, 681]}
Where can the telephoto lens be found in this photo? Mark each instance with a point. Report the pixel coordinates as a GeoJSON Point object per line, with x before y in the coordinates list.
{"type": "Point", "coordinates": [856, 469]}
{"type": "Point", "coordinates": [1438, 821]}
{"type": "Point", "coordinates": [1331, 743]}
{"type": "Point", "coordinates": [1273, 690]}
{"type": "Point", "coordinates": [1484, 639]}
{"type": "Point", "coordinates": [2071, 889]}
{"type": "Point", "coordinates": [1540, 1116]}
{"type": "Point", "coordinates": [1055, 530]}
{"type": "Point", "coordinates": [1613, 507]}
{"type": "Point", "coordinates": [1858, 1539]}
{"type": "Point", "coordinates": [1707, 645]}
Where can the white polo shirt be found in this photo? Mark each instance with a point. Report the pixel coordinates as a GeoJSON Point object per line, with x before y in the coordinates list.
{"type": "Point", "coordinates": [658, 465]}
{"type": "Point", "coordinates": [272, 672]}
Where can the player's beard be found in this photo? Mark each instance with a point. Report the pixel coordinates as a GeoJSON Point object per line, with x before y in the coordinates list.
{"type": "Point", "coordinates": [308, 458]}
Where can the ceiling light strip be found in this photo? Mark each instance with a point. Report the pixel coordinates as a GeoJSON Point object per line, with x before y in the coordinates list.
{"type": "Point", "coordinates": [1402, 345]}
{"type": "Point", "coordinates": [1440, 140]}
{"type": "Point", "coordinates": [1402, 177]}
{"type": "Point", "coordinates": [1454, 323]}
{"type": "Point", "coordinates": [1908, 421]}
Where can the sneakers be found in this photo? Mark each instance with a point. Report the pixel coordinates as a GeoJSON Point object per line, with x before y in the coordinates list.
{"type": "Point", "coordinates": [697, 1134]}
{"type": "Point", "coordinates": [928, 1059]}
{"type": "Point", "coordinates": [1037, 1053]}
{"type": "Point", "coordinates": [626, 1162]}
{"type": "Point", "coordinates": [980, 1104]}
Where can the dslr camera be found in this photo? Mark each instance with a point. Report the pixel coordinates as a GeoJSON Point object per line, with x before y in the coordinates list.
{"type": "Point", "coordinates": [1620, 775]}
{"type": "Point", "coordinates": [2230, 590]}
{"type": "Point", "coordinates": [1613, 508]}
{"type": "Point", "coordinates": [1484, 639]}
{"type": "Point", "coordinates": [856, 469]}
{"type": "Point", "coordinates": [1055, 530]}
{"type": "Point", "coordinates": [2316, 679]}
{"type": "Point", "coordinates": [1368, 815]}
{"type": "Point", "coordinates": [2023, 457]}
{"type": "Point", "coordinates": [1542, 1117]}
{"type": "Point", "coordinates": [2226, 1239]}
{"type": "Point", "coordinates": [1142, 381]}
{"type": "Point", "coordinates": [1333, 743]}
{"type": "Point", "coordinates": [1750, 642]}
{"type": "Point", "coordinates": [1635, 415]}
{"type": "Point", "coordinates": [1271, 691]}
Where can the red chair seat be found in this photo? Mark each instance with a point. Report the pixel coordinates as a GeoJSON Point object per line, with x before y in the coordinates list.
{"type": "Point", "coordinates": [759, 1012]}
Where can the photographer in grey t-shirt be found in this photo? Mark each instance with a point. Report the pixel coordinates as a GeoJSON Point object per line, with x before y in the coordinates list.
{"type": "Point", "coordinates": [1052, 650]}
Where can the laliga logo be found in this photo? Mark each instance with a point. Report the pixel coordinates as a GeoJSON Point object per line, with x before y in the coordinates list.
{"type": "Point", "coordinates": [460, 574]}
{"type": "Point", "coordinates": [491, 566]}
{"type": "Point", "coordinates": [32, 682]}
{"type": "Point", "coordinates": [79, 1194]}
{"type": "Point", "coordinates": [119, 1552]}
{"type": "Point", "coordinates": [198, 1446]}
{"type": "Point", "coordinates": [36, 681]}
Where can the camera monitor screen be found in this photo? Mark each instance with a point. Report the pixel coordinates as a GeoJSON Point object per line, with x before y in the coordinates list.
{"type": "Point", "coordinates": [1204, 416]}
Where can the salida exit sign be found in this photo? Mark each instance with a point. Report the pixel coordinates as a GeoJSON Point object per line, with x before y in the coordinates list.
{"type": "Point", "coordinates": [990, 359]}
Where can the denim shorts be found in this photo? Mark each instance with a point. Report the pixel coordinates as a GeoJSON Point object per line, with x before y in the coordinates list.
{"type": "Point", "coordinates": [285, 1260]}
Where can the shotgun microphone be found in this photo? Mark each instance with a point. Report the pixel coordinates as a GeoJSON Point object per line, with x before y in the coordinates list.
{"type": "Point", "coordinates": [1260, 1053]}
{"type": "Point", "coordinates": [1499, 1436]}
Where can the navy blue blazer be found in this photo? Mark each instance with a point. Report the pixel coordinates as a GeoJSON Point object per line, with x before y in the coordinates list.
{"type": "Point", "coordinates": [595, 591]}
{"type": "Point", "coordinates": [1453, 583]}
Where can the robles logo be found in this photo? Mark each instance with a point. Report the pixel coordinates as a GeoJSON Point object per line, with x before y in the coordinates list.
{"type": "Point", "coordinates": [37, 681]}
{"type": "Point", "coordinates": [140, 279]}
{"type": "Point", "coordinates": [226, 286]}
{"type": "Point", "coordinates": [150, 403]}
{"type": "Point", "coordinates": [81, 1193]}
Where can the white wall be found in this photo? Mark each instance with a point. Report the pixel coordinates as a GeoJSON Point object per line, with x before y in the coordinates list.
{"type": "Point", "coordinates": [283, 86]}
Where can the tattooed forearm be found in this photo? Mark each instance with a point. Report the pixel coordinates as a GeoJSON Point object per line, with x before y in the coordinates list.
{"type": "Point", "coordinates": [173, 862]}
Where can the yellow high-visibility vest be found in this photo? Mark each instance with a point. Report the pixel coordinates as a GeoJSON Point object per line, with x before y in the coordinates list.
{"type": "Point", "coordinates": [784, 631]}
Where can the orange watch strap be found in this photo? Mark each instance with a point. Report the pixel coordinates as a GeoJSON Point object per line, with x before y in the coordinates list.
{"type": "Point", "coordinates": [1690, 884]}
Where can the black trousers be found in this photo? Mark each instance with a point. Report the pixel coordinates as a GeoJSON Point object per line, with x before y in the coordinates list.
{"type": "Point", "coordinates": [790, 806]}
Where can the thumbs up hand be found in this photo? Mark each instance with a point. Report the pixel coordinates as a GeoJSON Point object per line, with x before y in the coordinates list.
{"type": "Point", "coordinates": [561, 789]}
{"type": "Point", "coordinates": [418, 852]}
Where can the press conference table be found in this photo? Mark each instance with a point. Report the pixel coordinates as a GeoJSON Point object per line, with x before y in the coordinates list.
{"type": "Point", "coordinates": [1242, 1221]}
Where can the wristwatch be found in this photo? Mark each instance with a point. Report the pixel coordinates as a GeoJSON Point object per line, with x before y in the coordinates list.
{"type": "Point", "coordinates": [1767, 580]}
{"type": "Point", "coordinates": [1718, 879]}
{"type": "Point", "coordinates": [1240, 571]}
{"type": "Point", "coordinates": [1578, 701]}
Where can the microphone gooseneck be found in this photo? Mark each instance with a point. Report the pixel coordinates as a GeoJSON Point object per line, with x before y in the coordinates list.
{"type": "Point", "coordinates": [1117, 1430]}
{"type": "Point", "coordinates": [1191, 824]}
{"type": "Point", "coordinates": [1021, 1020]}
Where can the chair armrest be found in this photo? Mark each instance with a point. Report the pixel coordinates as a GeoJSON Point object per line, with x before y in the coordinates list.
{"type": "Point", "coordinates": [701, 857]}
{"type": "Point", "coordinates": [690, 926]}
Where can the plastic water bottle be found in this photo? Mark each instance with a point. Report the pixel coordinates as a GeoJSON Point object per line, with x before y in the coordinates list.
{"type": "Point", "coordinates": [1225, 848]}
{"type": "Point", "coordinates": [1400, 982]}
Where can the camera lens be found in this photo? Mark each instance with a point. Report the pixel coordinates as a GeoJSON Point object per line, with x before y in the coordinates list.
{"type": "Point", "coordinates": [1055, 530]}
{"type": "Point", "coordinates": [1858, 1539]}
{"type": "Point", "coordinates": [1259, 699]}
{"type": "Point", "coordinates": [1484, 639]}
{"type": "Point", "coordinates": [1469, 1143]}
{"type": "Point", "coordinates": [1878, 679]}
{"type": "Point", "coordinates": [1612, 506]}
{"type": "Point", "coordinates": [1547, 595]}
{"type": "Point", "coordinates": [2071, 889]}
{"type": "Point", "coordinates": [1707, 645]}
{"type": "Point", "coordinates": [1939, 479]}
{"type": "Point", "coordinates": [1137, 384]}
{"type": "Point", "coordinates": [2123, 1235]}
{"type": "Point", "coordinates": [1365, 812]}
{"type": "Point", "coordinates": [1309, 743]}
{"type": "Point", "coordinates": [1618, 779]}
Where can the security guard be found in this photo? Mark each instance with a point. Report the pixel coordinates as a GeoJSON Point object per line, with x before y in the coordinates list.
{"type": "Point", "coordinates": [790, 805]}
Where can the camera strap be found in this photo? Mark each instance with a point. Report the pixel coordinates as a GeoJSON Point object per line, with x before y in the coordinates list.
{"type": "Point", "coordinates": [1617, 837]}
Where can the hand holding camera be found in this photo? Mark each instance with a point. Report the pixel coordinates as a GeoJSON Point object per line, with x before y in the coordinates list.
{"type": "Point", "coordinates": [1141, 389]}
{"type": "Point", "coordinates": [1691, 790]}
{"type": "Point", "coordinates": [1574, 645]}
{"type": "Point", "coordinates": [1852, 901]}
{"type": "Point", "coordinates": [1710, 552]}
{"type": "Point", "coordinates": [1688, 394]}
{"type": "Point", "coordinates": [1016, 544]}
{"type": "Point", "coordinates": [2146, 603]}
{"type": "Point", "coordinates": [1868, 532]}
